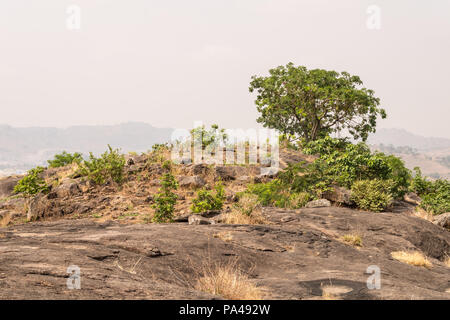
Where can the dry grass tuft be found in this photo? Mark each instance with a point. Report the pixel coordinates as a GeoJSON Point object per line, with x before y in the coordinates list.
{"type": "Point", "coordinates": [5, 220]}
{"type": "Point", "coordinates": [225, 236]}
{"type": "Point", "coordinates": [447, 262]}
{"type": "Point", "coordinates": [414, 258]}
{"type": "Point", "coordinates": [353, 239]}
{"type": "Point", "coordinates": [420, 213]}
{"type": "Point", "coordinates": [229, 282]}
{"type": "Point", "coordinates": [246, 211]}
{"type": "Point", "coordinates": [235, 217]}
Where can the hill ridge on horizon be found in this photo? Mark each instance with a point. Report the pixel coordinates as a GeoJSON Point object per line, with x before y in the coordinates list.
{"type": "Point", "coordinates": [22, 148]}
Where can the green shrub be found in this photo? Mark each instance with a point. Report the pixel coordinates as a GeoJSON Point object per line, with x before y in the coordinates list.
{"type": "Point", "coordinates": [64, 159]}
{"type": "Point", "coordinates": [108, 167]}
{"type": "Point", "coordinates": [420, 184]}
{"type": "Point", "coordinates": [373, 195]}
{"type": "Point", "coordinates": [158, 153]}
{"type": "Point", "coordinates": [32, 183]}
{"type": "Point", "coordinates": [206, 138]}
{"type": "Point", "coordinates": [435, 194]}
{"type": "Point", "coordinates": [165, 200]}
{"type": "Point", "coordinates": [438, 201]}
{"type": "Point", "coordinates": [277, 194]}
{"type": "Point", "coordinates": [345, 163]}
{"type": "Point", "coordinates": [207, 200]}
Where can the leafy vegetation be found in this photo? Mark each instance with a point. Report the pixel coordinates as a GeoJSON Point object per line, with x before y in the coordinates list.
{"type": "Point", "coordinates": [209, 138]}
{"type": "Point", "coordinates": [344, 163]}
{"type": "Point", "coordinates": [159, 153]}
{"type": "Point", "coordinates": [435, 194]}
{"type": "Point", "coordinates": [312, 104]}
{"type": "Point", "coordinates": [166, 199]}
{"type": "Point", "coordinates": [32, 183]}
{"type": "Point", "coordinates": [64, 159]}
{"type": "Point", "coordinates": [108, 167]}
{"type": "Point", "coordinates": [373, 195]}
{"type": "Point", "coordinates": [207, 200]}
{"type": "Point", "coordinates": [277, 193]}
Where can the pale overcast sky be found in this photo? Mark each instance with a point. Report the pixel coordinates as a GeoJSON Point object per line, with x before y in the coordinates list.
{"type": "Point", "coordinates": [169, 63]}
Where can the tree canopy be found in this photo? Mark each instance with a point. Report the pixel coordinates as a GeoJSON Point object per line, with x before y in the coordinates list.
{"type": "Point", "coordinates": [312, 104]}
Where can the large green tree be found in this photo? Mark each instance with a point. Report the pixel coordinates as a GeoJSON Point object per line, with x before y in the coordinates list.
{"type": "Point", "coordinates": [312, 104]}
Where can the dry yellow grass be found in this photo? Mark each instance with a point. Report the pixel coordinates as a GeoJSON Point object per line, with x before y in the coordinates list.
{"type": "Point", "coordinates": [246, 211]}
{"type": "Point", "coordinates": [5, 220]}
{"type": "Point", "coordinates": [420, 213]}
{"type": "Point", "coordinates": [225, 236]}
{"type": "Point", "coordinates": [352, 239]}
{"type": "Point", "coordinates": [236, 217]}
{"type": "Point", "coordinates": [414, 258]}
{"type": "Point", "coordinates": [229, 282]}
{"type": "Point", "coordinates": [447, 262]}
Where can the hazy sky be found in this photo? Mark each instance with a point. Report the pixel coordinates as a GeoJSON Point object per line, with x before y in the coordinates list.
{"type": "Point", "coordinates": [169, 63]}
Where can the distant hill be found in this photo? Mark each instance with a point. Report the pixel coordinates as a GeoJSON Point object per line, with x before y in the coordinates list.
{"type": "Point", "coordinates": [432, 155]}
{"type": "Point", "coordinates": [24, 148]}
{"type": "Point", "coordinates": [402, 138]}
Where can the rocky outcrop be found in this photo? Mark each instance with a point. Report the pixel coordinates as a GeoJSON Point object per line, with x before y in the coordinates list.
{"type": "Point", "coordinates": [412, 198]}
{"type": "Point", "coordinates": [7, 186]}
{"type": "Point", "coordinates": [191, 182]}
{"type": "Point", "coordinates": [442, 220]}
{"type": "Point", "coordinates": [298, 255]}
{"type": "Point", "coordinates": [318, 203]}
{"type": "Point", "coordinates": [339, 195]}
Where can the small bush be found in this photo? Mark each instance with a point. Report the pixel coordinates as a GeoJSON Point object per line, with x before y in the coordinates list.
{"type": "Point", "coordinates": [246, 211]}
{"type": "Point", "coordinates": [299, 200]}
{"type": "Point", "coordinates": [207, 200]}
{"type": "Point", "coordinates": [373, 195]}
{"type": "Point", "coordinates": [437, 201]}
{"type": "Point", "coordinates": [108, 167]}
{"type": "Point", "coordinates": [165, 200]}
{"type": "Point", "coordinates": [345, 163]}
{"type": "Point", "coordinates": [247, 204]}
{"type": "Point", "coordinates": [159, 153]}
{"type": "Point", "coordinates": [32, 183]}
{"type": "Point", "coordinates": [277, 194]}
{"type": "Point", "coordinates": [353, 239]}
{"type": "Point", "coordinates": [209, 138]}
{"type": "Point", "coordinates": [435, 194]}
{"type": "Point", "coordinates": [64, 159]}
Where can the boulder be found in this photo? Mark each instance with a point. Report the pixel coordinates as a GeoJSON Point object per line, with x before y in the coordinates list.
{"type": "Point", "coordinates": [7, 186]}
{"type": "Point", "coordinates": [68, 188]}
{"type": "Point", "coordinates": [197, 220]}
{"type": "Point", "coordinates": [413, 198]}
{"type": "Point", "coordinates": [3, 213]}
{"type": "Point", "coordinates": [199, 169]}
{"type": "Point", "coordinates": [339, 195]}
{"type": "Point", "coordinates": [155, 182]}
{"type": "Point", "coordinates": [269, 172]}
{"type": "Point", "coordinates": [191, 182]}
{"type": "Point", "coordinates": [226, 173]}
{"type": "Point", "coordinates": [134, 159]}
{"type": "Point", "coordinates": [244, 179]}
{"type": "Point", "coordinates": [267, 162]}
{"type": "Point", "coordinates": [186, 161]}
{"type": "Point", "coordinates": [442, 220]}
{"type": "Point", "coordinates": [318, 203]}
